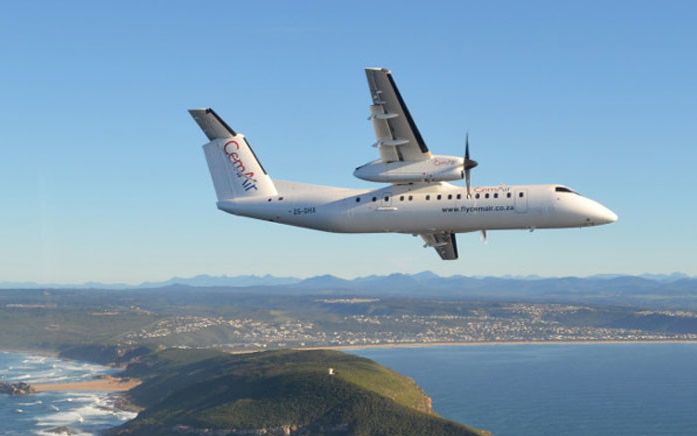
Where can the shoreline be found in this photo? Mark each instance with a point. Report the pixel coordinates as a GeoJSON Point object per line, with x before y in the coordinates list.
{"type": "Point", "coordinates": [103, 383]}
{"type": "Point", "coordinates": [494, 343]}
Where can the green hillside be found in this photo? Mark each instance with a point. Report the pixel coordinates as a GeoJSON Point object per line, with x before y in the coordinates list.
{"type": "Point", "coordinates": [278, 392]}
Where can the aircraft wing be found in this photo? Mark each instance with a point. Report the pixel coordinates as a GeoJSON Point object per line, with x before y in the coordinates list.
{"type": "Point", "coordinates": [444, 243]}
{"type": "Point", "coordinates": [398, 138]}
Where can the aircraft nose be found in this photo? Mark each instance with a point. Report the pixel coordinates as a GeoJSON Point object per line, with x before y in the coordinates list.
{"type": "Point", "coordinates": [600, 214]}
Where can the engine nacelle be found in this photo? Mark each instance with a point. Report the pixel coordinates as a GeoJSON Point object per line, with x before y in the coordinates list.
{"type": "Point", "coordinates": [436, 169]}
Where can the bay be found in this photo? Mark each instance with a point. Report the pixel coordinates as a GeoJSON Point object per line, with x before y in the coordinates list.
{"type": "Point", "coordinates": [557, 389]}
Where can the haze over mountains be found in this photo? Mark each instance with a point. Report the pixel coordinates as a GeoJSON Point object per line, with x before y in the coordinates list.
{"type": "Point", "coordinates": [425, 280]}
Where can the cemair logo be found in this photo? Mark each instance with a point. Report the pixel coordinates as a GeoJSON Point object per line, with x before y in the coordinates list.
{"type": "Point", "coordinates": [231, 149]}
{"type": "Point", "coordinates": [502, 188]}
{"type": "Point", "coordinates": [440, 161]}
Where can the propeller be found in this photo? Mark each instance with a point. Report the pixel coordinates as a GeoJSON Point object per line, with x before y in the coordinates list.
{"type": "Point", "coordinates": [468, 165]}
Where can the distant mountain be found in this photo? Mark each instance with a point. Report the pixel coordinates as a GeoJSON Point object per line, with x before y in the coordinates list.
{"type": "Point", "coordinates": [324, 281]}
{"type": "Point", "coordinates": [656, 277]}
{"type": "Point", "coordinates": [666, 277]}
{"type": "Point", "coordinates": [85, 285]}
{"type": "Point", "coordinates": [614, 289]}
{"type": "Point", "coordinates": [196, 281]}
{"type": "Point", "coordinates": [235, 281]}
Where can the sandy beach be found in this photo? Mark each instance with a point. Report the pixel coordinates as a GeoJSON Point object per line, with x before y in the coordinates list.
{"type": "Point", "coordinates": [104, 384]}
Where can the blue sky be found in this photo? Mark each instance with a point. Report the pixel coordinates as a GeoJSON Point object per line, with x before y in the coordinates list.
{"type": "Point", "coordinates": [102, 176]}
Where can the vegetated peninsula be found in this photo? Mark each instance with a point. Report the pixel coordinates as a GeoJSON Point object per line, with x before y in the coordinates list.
{"type": "Point", "coordinates": [280, 392]}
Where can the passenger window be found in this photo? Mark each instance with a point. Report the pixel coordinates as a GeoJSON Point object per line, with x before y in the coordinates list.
{"type": "Point", "coordinates": [358, 199]}
{"type": "Point", "coordinates": [520, 194]}
{"type": "Point", "coordinates": [411, 197]}
{"type": "Point", "coordinates": [387, 198]}
{"type": "Point", "coordinates": [401, 198]}
{"type": "Point", "coordinates": [459, 196]}
{"type": "Point", "coordinates": [375, 199]}
{"type": "Point", "coordinates": [486, 195]}
{"type": "Point", "coordinates": [280, 198]}
{"type": "Point", "coordinates": [428, 197]}
{"type": "Point", "coordinates": [476, 196]}
{"type": "Point", "coordinates": [508, 195]}
{"type": "Point", "coordinates": [439, 197]}
{"type": "Point", "coordinates": [496, 195]}
{"type": "Point", "coordinates": [450, 196]}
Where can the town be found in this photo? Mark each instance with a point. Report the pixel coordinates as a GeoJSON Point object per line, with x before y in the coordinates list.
{"type": "Point", "coordinates": [507, 323]}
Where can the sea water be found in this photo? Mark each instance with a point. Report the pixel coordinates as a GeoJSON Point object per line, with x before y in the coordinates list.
{"type": "Point", "coordinates": [579, 389]}
{"type": "Point", "coordinates": [83, 412]}
{"type": "Point", "coordinates": [582, 389]}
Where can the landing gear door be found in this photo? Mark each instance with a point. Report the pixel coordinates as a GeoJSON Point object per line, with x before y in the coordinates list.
{"type": "Point", "coordinates": [521, 200]}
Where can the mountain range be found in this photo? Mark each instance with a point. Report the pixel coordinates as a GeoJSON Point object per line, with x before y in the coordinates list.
{"type": "Point", "coordinates": [423, 284]}
{"type": "Point", "coordinates": [424, 278]}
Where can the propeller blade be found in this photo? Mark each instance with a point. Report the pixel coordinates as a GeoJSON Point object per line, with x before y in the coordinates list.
{"type": "Point", "coordinates": [468, 165]}
{"type": "Point", "coordinates": [468, 182]}
{"type": "Point", "coordinates": [467, 146]}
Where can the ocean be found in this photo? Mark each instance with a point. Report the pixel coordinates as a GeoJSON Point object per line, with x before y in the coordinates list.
{"type": "Point", "coordinates": [560, 389]}
{"type": "Point", "coordinates": [84, 412]}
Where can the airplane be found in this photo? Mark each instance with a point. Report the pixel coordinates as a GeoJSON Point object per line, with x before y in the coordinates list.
{"type": "Point", "coordinates": [418, 200]}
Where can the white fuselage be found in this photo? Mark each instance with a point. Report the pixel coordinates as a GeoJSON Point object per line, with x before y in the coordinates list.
{"type": "Point", "coordinates": [418, 198]}
{"type": "Point", "coordinates": [422, 208]}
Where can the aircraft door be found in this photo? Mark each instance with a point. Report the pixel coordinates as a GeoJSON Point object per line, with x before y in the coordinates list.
{"type": "Point", "coordinates": [521, 200]}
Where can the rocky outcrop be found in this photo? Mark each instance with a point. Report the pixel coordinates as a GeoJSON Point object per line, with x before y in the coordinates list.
{"type": "Point", "coordinates": [283, 430]}
{"type": "Point", "coordinates": [19, 388]}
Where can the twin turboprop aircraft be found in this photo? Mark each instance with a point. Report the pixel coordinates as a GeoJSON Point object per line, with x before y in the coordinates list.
{"type": "Point", "coordinates": [418, 199]}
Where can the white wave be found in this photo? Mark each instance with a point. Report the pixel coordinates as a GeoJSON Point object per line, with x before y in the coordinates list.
{"type": "Point", "coordinates": [73, 431]}
{"type": "Point", "coordinates": [31, 404]}
{"type": "Point", "coordinates": [35, 359]}
{"type": "Point", "coordinates": [64, 400]}
{"type": "Point", "coordinates": [60, 419]}
{"type": "Point", "coordinates": [75, 410]}
{"type": "Point", "coordinates": [90, 413]}
{"type": "Point", "coordinates": [49, 379]}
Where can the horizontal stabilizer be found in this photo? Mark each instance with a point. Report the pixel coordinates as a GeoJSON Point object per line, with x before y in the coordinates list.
{"type": "Point", "coordinates": [212, 125]}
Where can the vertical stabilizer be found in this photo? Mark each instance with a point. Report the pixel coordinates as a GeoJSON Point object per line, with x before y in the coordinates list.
{"type": "Point", "coordinates": [234, 168]}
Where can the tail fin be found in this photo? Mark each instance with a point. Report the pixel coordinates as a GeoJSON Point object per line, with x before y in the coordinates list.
{"type": "Point", "coordinates": [234, 168]}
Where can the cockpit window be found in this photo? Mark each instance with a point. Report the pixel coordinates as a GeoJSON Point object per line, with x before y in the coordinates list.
{"type": "Point", "coordinates": [565, 189]}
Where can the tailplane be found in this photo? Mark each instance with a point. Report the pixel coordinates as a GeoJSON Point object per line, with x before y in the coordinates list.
{"type": "Point", "coordinates": [234, 168]}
